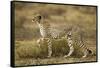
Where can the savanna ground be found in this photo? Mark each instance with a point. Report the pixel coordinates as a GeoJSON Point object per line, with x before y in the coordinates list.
{"type": "Point", "coordinates": [27, 51]}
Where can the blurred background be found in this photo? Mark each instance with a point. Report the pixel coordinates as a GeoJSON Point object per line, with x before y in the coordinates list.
{"type": "Point", "coordinates": [58, 15]}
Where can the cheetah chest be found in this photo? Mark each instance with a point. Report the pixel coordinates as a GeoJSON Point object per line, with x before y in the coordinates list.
{"type": "Point", "coordinates": [43, 31]}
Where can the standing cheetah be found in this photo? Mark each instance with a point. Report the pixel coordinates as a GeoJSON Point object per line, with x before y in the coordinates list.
{"type": "Point", "coordinates": [47, 32]}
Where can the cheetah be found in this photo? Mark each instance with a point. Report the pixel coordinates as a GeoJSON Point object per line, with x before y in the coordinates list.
{"type": "Point", "coordinates": [47, 32]}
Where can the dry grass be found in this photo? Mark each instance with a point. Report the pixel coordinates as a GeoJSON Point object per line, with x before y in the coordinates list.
{"type": "Point", "coordinates": [28, 53]}
{"type": "Point", "coordinates": [52, 60]}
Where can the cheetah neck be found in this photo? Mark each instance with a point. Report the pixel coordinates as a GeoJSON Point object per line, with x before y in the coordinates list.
{"type": "Point", "coordinates": [43, 30]}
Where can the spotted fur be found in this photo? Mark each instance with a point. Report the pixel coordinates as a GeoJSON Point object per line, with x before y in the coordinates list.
{"type": "Point", "coordinates": [47, 31]}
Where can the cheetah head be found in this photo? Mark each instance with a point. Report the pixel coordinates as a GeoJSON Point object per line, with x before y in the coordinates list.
{"type": "Point", "coordinates": [37, 18]}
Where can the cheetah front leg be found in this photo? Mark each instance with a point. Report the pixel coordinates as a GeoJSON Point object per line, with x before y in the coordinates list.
{"type": "Point", "coordinates": [38, 42]}
{"type": "Point", "coordinates": [49, 48]}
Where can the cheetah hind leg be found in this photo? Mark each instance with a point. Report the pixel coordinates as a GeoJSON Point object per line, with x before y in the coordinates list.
{"type": "Point", "coordinates": [70, 52]}
{"type": "Point", "coordinates": [87, 52]}
{"type": "Point", "coordinates": [71, 48]}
